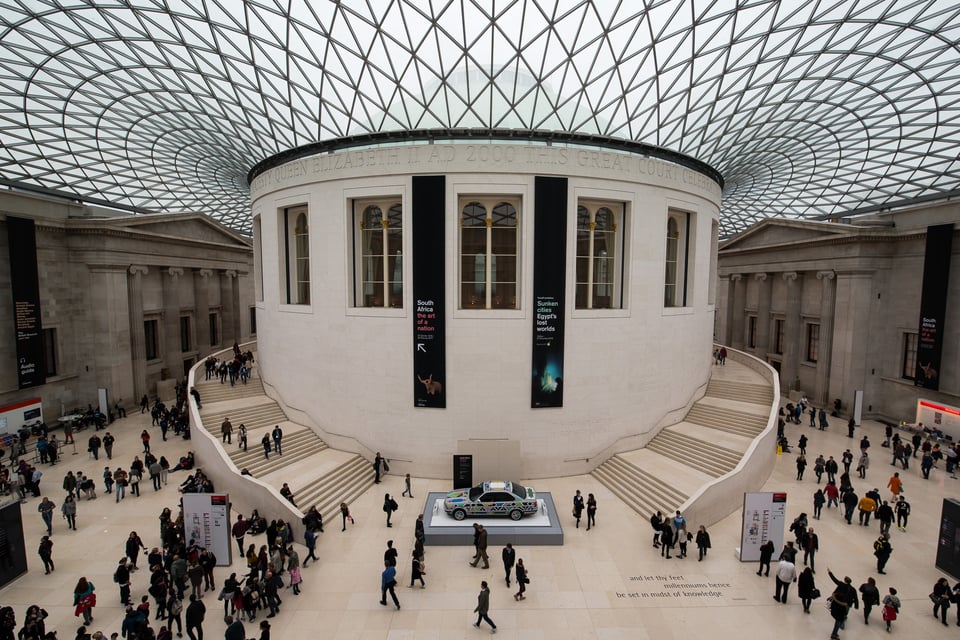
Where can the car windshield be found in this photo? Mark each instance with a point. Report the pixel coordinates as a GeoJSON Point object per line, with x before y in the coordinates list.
{"type": "Point", "coordinates": [475, 492]}
{"type": "Point", "coordinates": [519, 490]}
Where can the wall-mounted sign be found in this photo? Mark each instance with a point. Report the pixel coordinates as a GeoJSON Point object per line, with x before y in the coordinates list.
{"type": "Point", "coordinates": [429, 338]}
{"type": "Point", "coordinates": [25, 287]}
{"type": "Point", "coordinates": [549, 285]}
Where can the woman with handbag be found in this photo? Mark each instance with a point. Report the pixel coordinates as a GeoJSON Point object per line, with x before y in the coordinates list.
{"type": "Point", "coordinates": [522, 580]}
{"type": "Point", "coordinates": [806, 588]}
{"type": "Point", "coordinates": [84, 600]}
{"type": "Point", "coordinates": [941, 599]}
{"type": "Point", "coordinates": [891, 607]}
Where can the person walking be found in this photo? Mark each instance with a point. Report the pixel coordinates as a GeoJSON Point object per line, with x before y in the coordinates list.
{"type": "Point", "coordinates": [132, 548]}
{"type": "Point", "coordinates": [239, 530]}
{"type": "Point", "coordinates": [388, 582]}
{"type": "Point", "coordinates": [895, 484]}
{"type": "Point", "coordinates": [591, 511]}
{"type": "Point", "coordinates": [265, 441]}
{"type": "Point", "coordinates": [941, 599]}
{"type": "Point", "coordinates": [45, 509]}
{"type": "Point", "coordinates": [786, 573]}
{"type": "Point", "coordinates": [406, 484]}
{"type": "Point", "coordinates": [108, 441]}
{"type": "Point", "coordinates": [277, 434]}
{"type": "Point", "coordinates": [416, 570]}
{"type": "Point", "coordinates": [902, 509]}
{"type": "Point", "coordinates": [310, 542]}
{"type": "Point", "coordinates": [891, 607]}
{"type": "Point", "coordinates": [226, 431]}
{"type": "Point", "coordinates": [481, 548]}
{"type": "Point", "coordinates": [194, 618]}
{"type": "Point", "coordinates": [84, 600]}
{"type": "Point", "coordinates": [882, 549]}
{"type": "Point", "coordinates": [810, 543]}
{"type": "Point", "coordinates": [577, 508]}
{"type": "Point", "coordinates": [69, 510]}
{"type": "Point", "coordinates": [509, 556]}
{"type": "Point", "coordinates": [870, 597]}
{"type": "Point", "coordinates": [242, 437]}
{"type": "Point", "coordinates": [806, 588]}
{"type": "Point", "coordinates": [863, 464]}
{"type": "Point", "coordinates": [703, 543]}
{"type": "Point", "coordinates": [842, 598]}
{"type": "Point", "coordinates": [145, 439]}
{"type": "Point", "coordinates": [45, 551]}
{"type": "Point", "coordinates": [483, 607]}
{"type": "Point", "coordinates": [801, 466]}
{"type": "Point", "coordinates": [345, 515]}
{"type": "Point", "coordinates": [523, 579]}
{"type": "Point", "coordinates": [819, 499]}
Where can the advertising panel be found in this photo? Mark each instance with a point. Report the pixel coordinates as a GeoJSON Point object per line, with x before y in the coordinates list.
{"type": "Point", "coordinates": [25, 287]}
{"type": "Point", "coordinates": [764, 515]}
{"type": "Point", "coordinates": [206, 519]}
{"type": "Point", "coordinates": [429, 338]}
{"type": "Point", "coordinates": [549, 285]}
{"type": "Point", "coordinates": [933, 305]}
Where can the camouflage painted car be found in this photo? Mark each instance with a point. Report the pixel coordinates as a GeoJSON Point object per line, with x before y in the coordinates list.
{"type": "Point", "coordinates": [491, 499]}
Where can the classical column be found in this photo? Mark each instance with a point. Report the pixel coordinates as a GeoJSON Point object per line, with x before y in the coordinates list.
{"type": "Point", "coordinates": [765, 286]}
{"type": "Point", "coordinates": [738, 307]}
{"type": "Point", "coordinates": [138, 342]}
{"type": "Point", "coordinates": [229, 305]}
{"type": "Point", "coordinates": [724, 305]}
{"type": "Point", "coordinates": [173, 354]}
{"type": "Point", "coordinates": [201, 284]}
{"type": "Point", "coordinates": [790, 368]}
{"type": "Point", "coordinates": [828, 293]}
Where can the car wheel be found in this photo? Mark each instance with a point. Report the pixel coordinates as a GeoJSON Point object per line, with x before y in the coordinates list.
{"type": "Point", "coordinates": [516, 514]}
{"type": "Point", "coordinates": [459, 514]}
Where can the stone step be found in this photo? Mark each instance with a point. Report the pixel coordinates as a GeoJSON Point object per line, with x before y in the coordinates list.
{"type": "Point", "coordinates": [643, 503]}
{"type": "Point", "coordinates": [292, 453]}
{"type": "Point", "coordinates": [741, 391]}
{"type": "Point", "coordinates": [254, 453]}
{"type": "Point", "coordinates": [697, 459]}
{"type": "Point", "coordinates": [258, 416]}
{"type": "Point", "coordinates": [344, 483]}
{"type": "Point", "coordinates": [721, 454]}
{"type": "Point", "coordinates": [730, 420]}
{"type": "Point", "coordinates": [646, 482]}
{"type": "Point", "coordinates": [211, 392]}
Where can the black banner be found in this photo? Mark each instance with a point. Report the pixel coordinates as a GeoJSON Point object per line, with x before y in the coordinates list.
{"type": "Point", "coordinates": [462, 470]}
{"type": "Point", "coordinates": [933, 305]}
{"type": "Point", "coordinates": [948, 540]}
{"type": "Point", "coordinates": [25, 286]}
{"type": "Point", "coordinates": [13, 553]}
{"type": "Point", "coordinates": [429, 361]}
{"type": "Point", "coordinates": [549, 282]}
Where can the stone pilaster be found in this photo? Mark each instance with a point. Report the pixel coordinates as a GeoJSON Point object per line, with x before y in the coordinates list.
{"type": "Point", "coordinates": [828, 295]}
{"type": "Point", "coordinates": [793, 332]}
{"type": "Point", "coordinates": [230, 307]}
{"type": "Point", "coordinates": [173, 355]}
{"type": "Point", "coordinates": [107, 300]}
{"type": "Point", "coordinates": [201, 289]}
{"type": "Point", "coordinates": [765, 292]}
{"type": "Point", "coordinates": [739, 305]}
{"type": "Point", "coordinates": [138, 345]}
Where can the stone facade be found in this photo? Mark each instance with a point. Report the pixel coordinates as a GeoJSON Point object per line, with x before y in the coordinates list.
{"type": "Point", "coordinates": [857, 284]}
{"type": "Point", "coordinates": [101, 276]}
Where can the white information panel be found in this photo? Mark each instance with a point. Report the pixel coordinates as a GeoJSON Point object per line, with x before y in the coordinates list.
{"type": "Point", "coordinates": [206, 519]}
{"type": "Point", "coordinates": [939, 417]}
{"type": "Point", "coordinates": [764, 515]}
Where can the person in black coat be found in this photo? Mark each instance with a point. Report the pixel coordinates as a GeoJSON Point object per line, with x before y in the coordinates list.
{"type": "Point", "coordinates": [656, 521]}
{"type": "Point", "coordinates": [703, 542]}
{"type": "Point", "coordinates": [766, 554]}
{"type": "Point", "coordinates": [805, 588]}
{"type": "Point", "coordinates": [509, 556]}
{"type": "Point", "coordinates": [666, 538]}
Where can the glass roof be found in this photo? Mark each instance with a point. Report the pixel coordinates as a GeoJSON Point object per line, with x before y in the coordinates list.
{"type": "Point", "coordinates": [807, 109]}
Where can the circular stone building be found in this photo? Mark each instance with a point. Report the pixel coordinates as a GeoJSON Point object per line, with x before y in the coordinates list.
{"type": "Point", "coordinates": [555, 294]}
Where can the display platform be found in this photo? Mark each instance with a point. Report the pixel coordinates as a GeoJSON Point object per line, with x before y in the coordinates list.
{"type": "Point", "coordinates": [541, 528]}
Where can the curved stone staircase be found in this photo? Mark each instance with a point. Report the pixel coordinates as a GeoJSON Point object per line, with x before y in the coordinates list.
{"type": "Point", "coordinates": [708, 443]}
{"type": "Point", "coordinates": [317, 474]}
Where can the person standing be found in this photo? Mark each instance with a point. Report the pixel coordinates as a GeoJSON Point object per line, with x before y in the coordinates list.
{"type": "Point", "coordinates": [483, 607]}
{"type": "Point", "coordinates": [703, 542]}
{"type": "Point", "coordinates": [345, 515]}
{"type": "Point", "coordinates": [509, 556]}
{"type": "Point", "coordinates": [45, 551]}
{"type": "Point", "coordinates": [45, 509]}
{"type": "Point", "coordinates": [522, 579]}
{"type": "Point", "coordinates": [226, 431]}
{"type": "Point", "coordinates": [416, 570]}
{"type": "Point", "coordinates": [132, 548]}
{"type": "Point", "coordinates": [656, 521]}
{"type": "Point", "coordinates": [842, 598]}
{"type": "Point", "coordinates": [481, 548]}
{"type": "Point", "coordinates": [870, 597]}
{"type": "Point", "coordinates": [389, 506]}
{"type": "Point", "coordinates": [121, 576]}
{"type": "Point", "coordinates": [891, 607]}
{"type": "Point", "coordinates": [801, 466]}
{"type": "Point", "coordinates": [277, 439]}
{"type": "Point", "coordinates": [194, 618]}
{"type": "Point", "coordinates": [666, 538]}
{"type": "Point", "coordinates": [863, 464]}
{"type": "Point", "coordinates": [786, 573]}
{"type": "Point", "coordinates": [406, 483]}
{"type": "Point", "coordinates": [235, 629]}
{"type": "Point", "coordinates": [69, 510]}
{"type": "Point", "coordinates": [242, 437]}
{"type": "Point", "coordinates": [882, 549]}
{"type": "Point", "coordinates": [577, 508]}
{"type": "Point", "coordinates": [591, 511]}
{"type": "Point", "coordinates": [378, 463]}
{"type": "Point", "coordinates": [941, 599]}
{"type": "Point", "coordinates": [766, 553]}
{"type": "Point", "coordinates": [388, 582]}
{"type": "Point", "coordinates": [805, 588]}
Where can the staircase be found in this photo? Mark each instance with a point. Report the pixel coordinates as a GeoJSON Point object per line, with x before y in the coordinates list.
{"type": "Point", "coordinates": [711, 440]}
{"type": "Point", "coordinates": [249, 405]}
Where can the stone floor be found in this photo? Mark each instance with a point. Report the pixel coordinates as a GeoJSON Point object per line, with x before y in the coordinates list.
{"type": "Point", "coordinates": [606, 583]}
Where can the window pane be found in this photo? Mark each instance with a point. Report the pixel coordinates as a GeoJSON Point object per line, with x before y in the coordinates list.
{"type": "Point", "coordinates": [50, 351]}
{"type": "Point", "coordinates": [150, 338]}
{"type": "Point", "coordinates": [581, 296]}
{"type": "Point", "coordinates": [504, 296]}
{"type": "Point", "coordinates": [474, 215]}
{"type": "Point", "coordinates": [473, 241]}
{"type": "Point", "coordinates": [583, 269]}
{"type": "Point", "coordinates": [473, 295]}
{"type": "Point", "coordinates": [503, 241]}
{"type": "Point", "coordinates": [504, 269]}
{"type": "Point", "coordinates": [504, 215]}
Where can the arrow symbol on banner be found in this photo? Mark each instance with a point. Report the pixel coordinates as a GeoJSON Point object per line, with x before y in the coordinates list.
{"type": "Point", "coordinates": [420, 347]}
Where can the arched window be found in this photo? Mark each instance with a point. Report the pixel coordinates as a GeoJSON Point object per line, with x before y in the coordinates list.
{"type": "Point", "coordinates": [676, 282]}
{"type": "Point", "coordinates": [379, 250]}
{"type": "Point", "coordinates": [296, 256]}
{"type": "Point", "coordinates": [489, 228]}
{"type": "Point", "coordinates": [599, 268]}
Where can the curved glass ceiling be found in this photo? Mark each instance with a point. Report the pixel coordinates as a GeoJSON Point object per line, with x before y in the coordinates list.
{"type": "Point", "coordinates": [806, 108]}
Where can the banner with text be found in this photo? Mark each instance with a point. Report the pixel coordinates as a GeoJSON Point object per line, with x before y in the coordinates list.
{"type": "Point", "coordinates": [764, 515]}
{"type": "Point", "coordinates": [549, 284]}
{"type": "Point", "coordinates": [206, 519]}
{"type": "Point", "coordinates": [429, 359]}
{"type": "Point", "coordinates": [25, 286]}
{"type": "Point", "coordinates": [933, 305]}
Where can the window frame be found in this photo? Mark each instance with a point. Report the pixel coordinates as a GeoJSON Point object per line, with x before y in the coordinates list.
{"type": "Point", "coordinates": [253, 320]}
{"type": "Point", "coordinates": [213, 326]}
{"type": "Point", "coordinates": [909, 337]}
{"type": "Point", "coordinates": [295, 276]}
{"type": "Point", "coordinates": [490, 202]}
{"type": "Point", "coordinates": [617, 284]}
{"type": "Point", "coordinates": [752, 331]}
{"type": "Point", "coordinates": [187, 342]}
{"type": "Point", "coordinates": [51, 352]}
{"type": "Point", "coordinates": [811, 342]}
{"type": "Point", "coordinates": [391, 236]}
{"type": "Point", "coordinates": [678, 283]}
{"type": "Point", "coordinates": [155, 332]}
{"type": "Point", "coordinates": [779, 332]}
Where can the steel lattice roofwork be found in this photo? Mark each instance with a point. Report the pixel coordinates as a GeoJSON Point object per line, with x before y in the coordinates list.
{"type": "Point", "coordinates": [807, 109]}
